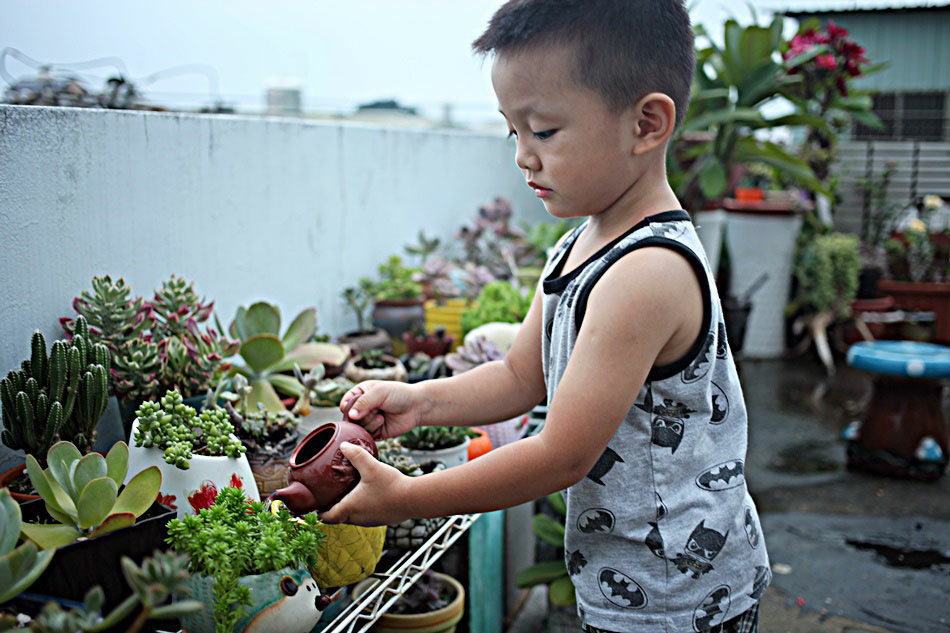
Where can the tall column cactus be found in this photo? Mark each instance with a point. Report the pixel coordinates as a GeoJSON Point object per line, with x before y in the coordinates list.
{"type": "Point", "coordinates": [39, 402]}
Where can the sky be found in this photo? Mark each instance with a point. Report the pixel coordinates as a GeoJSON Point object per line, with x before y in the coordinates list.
{"type": "Point", "coordinates": [341, 53]}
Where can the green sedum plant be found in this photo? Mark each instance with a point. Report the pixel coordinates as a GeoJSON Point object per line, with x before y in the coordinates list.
{"type": "Point", "coordinates": [178, 430]}
{"type": "Point", "coordinates": [433, 438]}
{"type": "Point", "coordinates": [236, 537]}
{"type": "Point", "coordinates": [82, 493]}
{"type": "Point", "coordinates": [499, 301]}
{"type": "Point", "coordinates": [19, 566]}
{"type": "Point", "coordinates": [160, 577]}
{"type": "Point", "coordinates": [267, 354]}
{"type": "Point", "coordinates": [60, 394]}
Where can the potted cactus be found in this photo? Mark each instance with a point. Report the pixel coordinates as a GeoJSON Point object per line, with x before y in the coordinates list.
{"type": "Point", "coordinates": [268, 355]}
{"type": "Point", "coordinates": [249, 566]}
{"type": "Point", "coordinates": [197, 453]}
{"type": "Point", "coordinates": [91, 519]}
{"type": "Point", "coordinates": [358, 298]}
{"type": "Point", "coordinates": [373, 364]}
{"type": "Point", "coordinates": [268, 437]}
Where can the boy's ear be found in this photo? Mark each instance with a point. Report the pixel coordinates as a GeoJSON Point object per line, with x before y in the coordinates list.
{"type": "Point", "coordinates": [655, 120]}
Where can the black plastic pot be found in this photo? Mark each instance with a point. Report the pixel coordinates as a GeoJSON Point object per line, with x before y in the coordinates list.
{"type": "Point", "coordinates": [81, 565]}
{"type": "Point", "coordinates": [735, 313]}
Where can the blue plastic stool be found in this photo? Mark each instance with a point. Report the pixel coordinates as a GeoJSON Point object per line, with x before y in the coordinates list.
{"type": "Point", "coordinates": [903, 432]}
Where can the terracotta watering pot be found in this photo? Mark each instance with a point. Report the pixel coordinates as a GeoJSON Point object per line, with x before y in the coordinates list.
{"type": "Point", "coordinates": [319, 474]}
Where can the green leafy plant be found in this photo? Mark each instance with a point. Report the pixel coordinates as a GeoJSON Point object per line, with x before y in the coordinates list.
{"type": "Point", "coordinates": [552, 573]}
{"type": "Point", "coordinates": [61, 394]}
{"type": "Point", "coordinates": [261, 432]}
{"type": "Point", "coordinates": [237, 537]}
{"type": "Point", "coordinates": [161, 577]}
{"type": "Point", "coordinates": [373, 359]}
{"type": "Point", "coordinates": [498, 301]}
{"type": "Point", "coordinates": [433, 438]}
{"type": "Point", "coordinates": [424, 247]}
{"type": "Point", "coordinates": [20, 565]}
{"type": "Point", "coordinates": [267, 354]}
{"type": "Point", "coordinates": [358, 298]}
{"type": "Point", "coordinates": [82, 493]}
{"type": "Point", "coordinates": [177, 429]}
{"type": "Point", "coordinates": [395, 282]}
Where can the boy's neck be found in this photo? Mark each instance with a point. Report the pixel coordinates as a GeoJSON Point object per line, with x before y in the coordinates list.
{"type": "Point", "coordinates": [649, 194]}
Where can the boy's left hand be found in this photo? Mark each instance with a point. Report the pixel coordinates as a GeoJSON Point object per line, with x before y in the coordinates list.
{"type": "Point", "coordinates": [376, 499]}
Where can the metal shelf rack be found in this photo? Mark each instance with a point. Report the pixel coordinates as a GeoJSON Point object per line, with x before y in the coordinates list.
{"type": "Point", "coordinates": [360, 615]}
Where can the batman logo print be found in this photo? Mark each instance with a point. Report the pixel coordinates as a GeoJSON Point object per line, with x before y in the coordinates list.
{"type": "Point", "coordinates": [751, 529]}
{"type": "Point", "coordinates": [603, 466]}
{"type": "Point", "coordinates": [596, 521]}
{"type": "Point", "coordinates": [763, 576]}
{"type": "Point", "coordinates": [719, 404]}
{"type": "Point", "coordinates": [713, 609]}
{"type": "Point", "coordinates": [620, 589]}
{"type": "Point", "coordinates": [721, 346]}
{"type": "Point", "coordinates": [722, 476]}
{"type": "Point", "coordinates": [700, 366]}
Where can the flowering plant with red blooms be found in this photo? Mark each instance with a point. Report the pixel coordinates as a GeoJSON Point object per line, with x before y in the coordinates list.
{"type": "Point", "coordinates": [828, 57]}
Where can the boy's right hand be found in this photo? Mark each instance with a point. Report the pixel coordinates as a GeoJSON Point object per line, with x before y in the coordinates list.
{"type": "Point", "coordinates": [384, 408]}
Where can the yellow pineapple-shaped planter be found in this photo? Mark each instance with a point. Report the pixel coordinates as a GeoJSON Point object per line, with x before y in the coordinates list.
{"type": "Point", "coordinates": [350, 554]}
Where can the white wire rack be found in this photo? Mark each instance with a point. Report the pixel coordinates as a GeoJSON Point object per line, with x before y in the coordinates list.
{"type": "Point", "coordinates": [360, 615]}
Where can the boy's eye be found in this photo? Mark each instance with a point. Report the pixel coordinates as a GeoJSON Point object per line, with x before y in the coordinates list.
{"type": "Point", "coordinates": [546, 134]}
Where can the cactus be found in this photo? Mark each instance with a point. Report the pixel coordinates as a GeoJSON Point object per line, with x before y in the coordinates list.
{"type": "Point", "coordinates": [19, 566]}
{"type": "Point", "coordinates": [82, 493]}
{"type": "Point", "coordinates": [267, 354]}
{"type": "Point", "coordinates": [176, 429]}
{"type": "Point", "coordinates": [63, 393]}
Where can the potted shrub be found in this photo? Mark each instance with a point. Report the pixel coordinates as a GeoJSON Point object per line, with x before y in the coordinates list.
{"type": "Point", "coordinates": [358, 299]}
{"type": "Point", "coordinates": [447, 444]}
{"type": "Point", "coordinates": [435, 603]}
{"type": "Point", "coordinates": [62, 394]}
{"type": "Point", "coordinates": [918, 262]}
{"type": "Point", "coordinates": [827, 274]}
{"type": "Point", "coordinates": [477, 351]}
{"type": "Point", "coordinates": [397, 300]}
{"type": "Point", "coordinates": [268, 355]}
{"type": "Point", "coordinates": [373, 364]}
{"type": "Point", "coordinates": [411, 533]}
{"type": "Point", "coordinates": [268, 437]}
{"type": "Point", "coordinates": [249, 566]}
{"type": "Point", "coordinates": [198, 454]}
{"type": "Point", "coordinates": [91, 519]}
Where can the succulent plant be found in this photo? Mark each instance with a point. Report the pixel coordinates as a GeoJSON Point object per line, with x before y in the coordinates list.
{"type": "Point", "coordinates": [62, 394]}
{"type": "Point", "coordinates": [477, 351]}
{"type": "Point", "coordinates": [433, 438]}
{"type": "Point", "coordinates": [261, 431]}
{"type": "Point", "coordinates": [267, 354]}
{"type": "Point", "coordinates": [395, 282]}
{"type": "Point", "coordinates": [160, 577]}
{"type": "Point", "coordinates": [179, 431]}
{"type": "Point", "coordinates": [82, 493]}
{"type": "Point", "coordinates": [19, 566]}
{"type": "Point", "coordinates": [113, 316]}
{"type": "Point", "coordinates": [497, 301]}
{"type": "Point", "coordinates": [358, 298]}
{"type": "Point", "coordinates": [135, 369]}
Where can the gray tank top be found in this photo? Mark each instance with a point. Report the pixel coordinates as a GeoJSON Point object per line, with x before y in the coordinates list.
{"type": "Point", "coordinates": [661, 535]}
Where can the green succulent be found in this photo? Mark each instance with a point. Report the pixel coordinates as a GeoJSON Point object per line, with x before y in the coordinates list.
{"type": "Point", "coordinates": [395, 282]}
{"type": "Point", "coordinates": [260, 431]}
{"type": "Point", "coordinates": [19, 566]}
{"type": "Point", "coordinates": [82, 492]}
{"type": "Point", "coordinates": [552, 573]}
{"type": "Point", "coordinates": [498, 301]}
{"type": "Point", "coordinates": [63, 393]}
{"type": "Point", "coordinates": [161, 576]}
{"type": "Point", "coordinates": [136, 366]}
{"type": "Point", "coordinates": [178, 430]}
{"type": "Point", "coordinates": [433, 438]}
{"type": "Point", "coordinates": [267, 354]}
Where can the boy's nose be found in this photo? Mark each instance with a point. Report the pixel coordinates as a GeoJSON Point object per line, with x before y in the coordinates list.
{"type": "Point", "coordinates": [526, 159]}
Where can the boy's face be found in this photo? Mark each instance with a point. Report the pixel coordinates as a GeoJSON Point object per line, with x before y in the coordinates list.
{"type": "Point", "coordinates": [573, 151]}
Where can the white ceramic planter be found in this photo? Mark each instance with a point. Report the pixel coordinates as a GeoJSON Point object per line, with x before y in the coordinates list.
{"type": "Point", "coordinates": [450, 456]}
{"type": "Point", "coordinates": [763, 242]}
{"type": "Point", "coordinates": [709, 228]}
{"type": "Point", "coordinates": [285, 600]}
{"type": "Point", "coordinates": [186, 490]}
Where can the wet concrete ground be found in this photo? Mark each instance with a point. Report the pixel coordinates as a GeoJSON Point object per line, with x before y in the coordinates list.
{"type": "Point", "coordinates": [850, 551]}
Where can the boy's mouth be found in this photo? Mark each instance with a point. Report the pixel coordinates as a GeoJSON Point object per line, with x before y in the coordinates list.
{"type": "Point", "coordinates": [539, 191]}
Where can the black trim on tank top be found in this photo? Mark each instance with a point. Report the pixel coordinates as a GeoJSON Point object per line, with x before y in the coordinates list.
{"type": "Point", "coordinates": [660, 372]}
{"type": "Point", "coordinates": [554, 284]}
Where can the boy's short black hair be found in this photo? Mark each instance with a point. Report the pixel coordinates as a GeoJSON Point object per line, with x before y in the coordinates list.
{"type": "Point", "coordinates": [624, 49]}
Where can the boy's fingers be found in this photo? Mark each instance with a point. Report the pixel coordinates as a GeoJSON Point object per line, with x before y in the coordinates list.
{"type": "Point", "coordinates": [358, 456]}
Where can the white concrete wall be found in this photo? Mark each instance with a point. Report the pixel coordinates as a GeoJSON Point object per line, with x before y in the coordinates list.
{"type": "Point", "coordinates": [248, 208]}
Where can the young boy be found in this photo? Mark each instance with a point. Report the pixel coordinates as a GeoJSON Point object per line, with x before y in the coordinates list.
{"type": "Point", "coordinates": [646, 426]}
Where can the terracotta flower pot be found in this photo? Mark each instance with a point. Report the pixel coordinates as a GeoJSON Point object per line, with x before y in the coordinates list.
{"type": "Point", "coordinates": [431, 345]}
{"type": "Point", "coordinates": [319, 474]}
{"type": "Point", "coordinates": [439, 621]}
{"type": "Point", "coordinates": [362, 340]}
{"type": "Point", "coordinates": [929, 296]}
{"type": "Point", "coordinates": [7, 477]}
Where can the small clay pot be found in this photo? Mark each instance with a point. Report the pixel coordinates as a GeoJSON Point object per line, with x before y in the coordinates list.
{"type": "Point", "coordinates": [395, 370]}
{"type": "Point", "coordinates": [319, 474]}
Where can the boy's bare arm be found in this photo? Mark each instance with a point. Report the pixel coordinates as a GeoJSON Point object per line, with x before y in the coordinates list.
{"type": "Point", "coordinates": [641, 304]}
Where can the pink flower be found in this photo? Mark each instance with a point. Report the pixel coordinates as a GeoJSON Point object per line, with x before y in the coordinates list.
{"type": "Point", "coordinates": [836, 31]}
{"type": "Point", "coordinates": [826, 61]}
